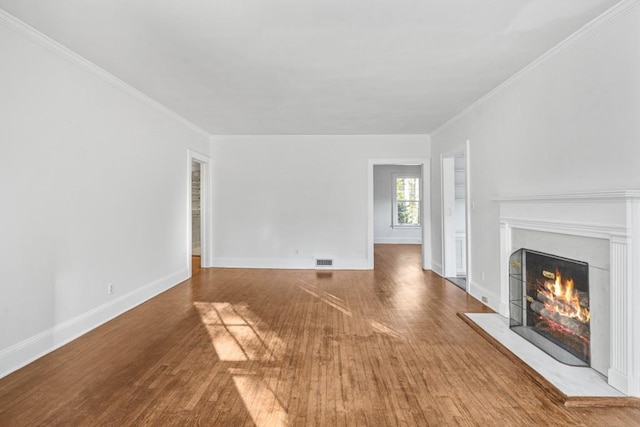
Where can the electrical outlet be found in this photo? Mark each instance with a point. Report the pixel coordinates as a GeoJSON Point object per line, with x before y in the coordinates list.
{"type": "Point", "coordinates": [482, 275]}
{"type": "Point", "coordinates": [110, 288]}
{"type": "Point", "coordinates": [297, 251]}
{"type": "Point", "coordinates": [485, 300]}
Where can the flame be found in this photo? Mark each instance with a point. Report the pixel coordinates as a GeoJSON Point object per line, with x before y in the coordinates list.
{"type": "Point", "coordinates": [563, 298]}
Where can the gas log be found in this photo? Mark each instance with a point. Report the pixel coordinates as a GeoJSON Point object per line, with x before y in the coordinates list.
{"type": "Point", "coordinates": [545, 299]}
{"type": "Point", "coordinates": [575, 342]}
{"type": "Point", "coordinates": [573, 325]}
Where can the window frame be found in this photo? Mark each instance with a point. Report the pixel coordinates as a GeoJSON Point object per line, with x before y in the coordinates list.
{"type": "Point", "coordinates": [394, 190]}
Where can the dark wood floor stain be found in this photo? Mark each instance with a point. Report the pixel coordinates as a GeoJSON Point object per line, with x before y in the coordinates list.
{"type": "Point", "coordinates": [234, 347]}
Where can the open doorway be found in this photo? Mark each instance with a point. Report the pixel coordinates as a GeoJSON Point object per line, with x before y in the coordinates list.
{"type": "Point", "coordinates": [196, 220]}
{"type": "Point", "coordinates": [454, 217]}
{"type": "Point", "coordinates": [397, 225]}
{"type": "Point", "coordinates": [198, 212]}
{"type": "Point", "coordinates": [398, 195]}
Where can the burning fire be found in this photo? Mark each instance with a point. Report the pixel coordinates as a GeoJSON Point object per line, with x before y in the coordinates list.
{"type": "Point", "coordinates": [561, 297]}
{"type": "Point", "coordinates": [559, 329]}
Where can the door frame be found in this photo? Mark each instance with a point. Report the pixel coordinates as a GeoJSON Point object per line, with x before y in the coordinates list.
{"type": "Point", "coordinates": [425, 214]}
{"type": "Point", "coordinates": [444, 184]}
{"type": "Point", "coordinates": [205, 208]}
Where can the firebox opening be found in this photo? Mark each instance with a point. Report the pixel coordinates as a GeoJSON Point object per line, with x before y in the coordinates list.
{"type": "Point", "coordinates": [549, 304]}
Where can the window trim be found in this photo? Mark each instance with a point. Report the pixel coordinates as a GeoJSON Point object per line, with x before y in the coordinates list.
{"type": "Point", "coordinates": [394, 207]}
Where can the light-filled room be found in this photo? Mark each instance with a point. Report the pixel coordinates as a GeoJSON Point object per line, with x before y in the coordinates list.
{"type": "Point", "coordinates": [271, 213]}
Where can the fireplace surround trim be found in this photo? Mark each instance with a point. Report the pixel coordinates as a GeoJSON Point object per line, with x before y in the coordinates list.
{"type": "Point", "coordinates": [613, 216]}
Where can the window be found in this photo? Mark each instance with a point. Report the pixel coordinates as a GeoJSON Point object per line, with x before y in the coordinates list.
{"type": "Point", "coordinates": [406, 201]}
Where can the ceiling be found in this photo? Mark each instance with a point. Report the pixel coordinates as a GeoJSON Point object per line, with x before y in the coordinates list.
{"type": "Point", "coordinates": [310, 66]}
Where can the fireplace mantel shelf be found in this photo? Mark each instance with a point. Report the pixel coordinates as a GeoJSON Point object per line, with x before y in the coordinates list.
{"type": "Point", "coordinates": [584, 196]}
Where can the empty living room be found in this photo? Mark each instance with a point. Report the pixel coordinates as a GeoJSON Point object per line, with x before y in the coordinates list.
{"type": "Point", "coordinates": [271, 213]}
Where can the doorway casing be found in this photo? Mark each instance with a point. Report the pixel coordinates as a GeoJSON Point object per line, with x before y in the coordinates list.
{"type": "Point", "coordinates": [448, 221]}
{"type": "Point", "coordinates": [205, 208]}
{"type": "Point", "coordinates": [425, 213]}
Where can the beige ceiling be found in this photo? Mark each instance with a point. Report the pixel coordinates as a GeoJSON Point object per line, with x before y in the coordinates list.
{"type": "Point", "coordinates": [310, 66]}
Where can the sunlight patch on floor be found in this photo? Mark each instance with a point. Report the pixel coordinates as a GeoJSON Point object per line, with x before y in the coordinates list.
{"type": "Point", "coordinates": [327, 298]}
{"type": "Point", "coordinates": [383, 329]}
{"type": "Point", "coordinates": [237, 334]}
{"type": "Point", "coordinates": [226, 345]}
{"type": "Point", "coordinates": [339, 304]}
{"type": "Point", "coordinates": [261, 402]}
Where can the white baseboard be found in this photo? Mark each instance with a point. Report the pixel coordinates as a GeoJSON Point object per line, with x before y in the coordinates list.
{"type": "Point", "coordinates": [397, 241]}
{"type": "Point", "coordinates": [352, 264]}
{"type": "Point", "coordinates": [288, 263]}
{"type": "Point", "coordinates": [436, 267]}
{"type": "Point", "coordinates": [619, 380]}
{"type": "Point", "coordinates": [478, 292]}
{"type": "Point", "coordinates": [21, 354]}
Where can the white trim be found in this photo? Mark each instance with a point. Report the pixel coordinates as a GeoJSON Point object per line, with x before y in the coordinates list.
{"type": "Point", "coordinates": [19, 27]}
{"type": "Point", "coordinates": [425, 213]}
{"type": "Point", "coordinates": [436, 267]}
{"type": "Point", "coordinates": [394, 201]}
{"type": "Point", "coordinates": [287, 263]}
{"type": "Point", "coordinates": [586, 30]}
{"type": "Point", "coordinates": [289, 136]}
{"type": "Point", "coordinates": [467, 210]}
{"type": "Point", "coordinates": [447, 213]}
{"type": "Point", "coordinates": [205, 208]}
{"type": "Point", "coordinates": [26, 351]}
{"type": "Point", "coordinates": [585, 196]}
{"type": "Point", "coordinates": [461, 266]}
{"type": "Point", "coordinates": [478, 291]}
{"type": "Point", "coordinates": [463, 149]}
{"type": "Point", "coordinates": [599, 231]}
{"type": "Point", "coordinates": [506, 249]}
{"type": "Point", "coordinates": [397, 240]}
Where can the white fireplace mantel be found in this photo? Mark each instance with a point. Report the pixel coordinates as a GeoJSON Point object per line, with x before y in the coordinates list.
{"type": "Point", "coordinates": [610, 215]}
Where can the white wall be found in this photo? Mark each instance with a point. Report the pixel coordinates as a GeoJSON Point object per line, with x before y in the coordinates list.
{"type": "Point", "coordinates": [383, 232]}
{"type": "Point", "coordinates": [93, 190]}
{"type": "Point", "coordinates": [275, 195]}
{"type": "Point", "coordinates": [568, 123]}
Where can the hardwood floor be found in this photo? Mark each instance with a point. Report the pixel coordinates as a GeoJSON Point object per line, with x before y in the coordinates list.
{"type": "Point", "coordinates": [274, 347]}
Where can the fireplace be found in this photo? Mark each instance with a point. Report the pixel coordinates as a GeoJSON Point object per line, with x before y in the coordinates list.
{"type": "Point", "coordinates": [601, 228]}
{"type": "Point", "coordinates": [549, 304]}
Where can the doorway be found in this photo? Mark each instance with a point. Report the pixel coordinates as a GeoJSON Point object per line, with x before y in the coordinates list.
{"type": "Point", "coordinates": [198, 228]}
{"type": "Point", "coordinates": [406, 224]}
{"type": "Point", "coordinates": [454, 216]}
{"type": "Point", "coordinates": [196, 223]}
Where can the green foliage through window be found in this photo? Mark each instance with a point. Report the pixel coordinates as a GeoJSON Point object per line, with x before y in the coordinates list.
{"type": "Point", "coordinates": [407, 201]}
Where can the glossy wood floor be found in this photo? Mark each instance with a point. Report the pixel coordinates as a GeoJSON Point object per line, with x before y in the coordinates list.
{"type": "Point", "coordinates": [274, 347]}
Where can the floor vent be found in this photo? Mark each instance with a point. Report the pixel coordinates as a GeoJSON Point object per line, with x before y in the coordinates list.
{"type": "Point", "coordinates": [324, 262]}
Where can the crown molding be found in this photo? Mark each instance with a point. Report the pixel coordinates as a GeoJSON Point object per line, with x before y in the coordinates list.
{"type": "Point", "coordinates": [381, 136]}
{"type": "Point", "coordinates": [590, 28]}
{"type": "Point", "coordinates": [20, 27]}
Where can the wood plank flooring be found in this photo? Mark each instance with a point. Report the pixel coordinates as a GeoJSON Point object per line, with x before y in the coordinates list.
{"type": "Point", "coordinates": [235, 347]}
